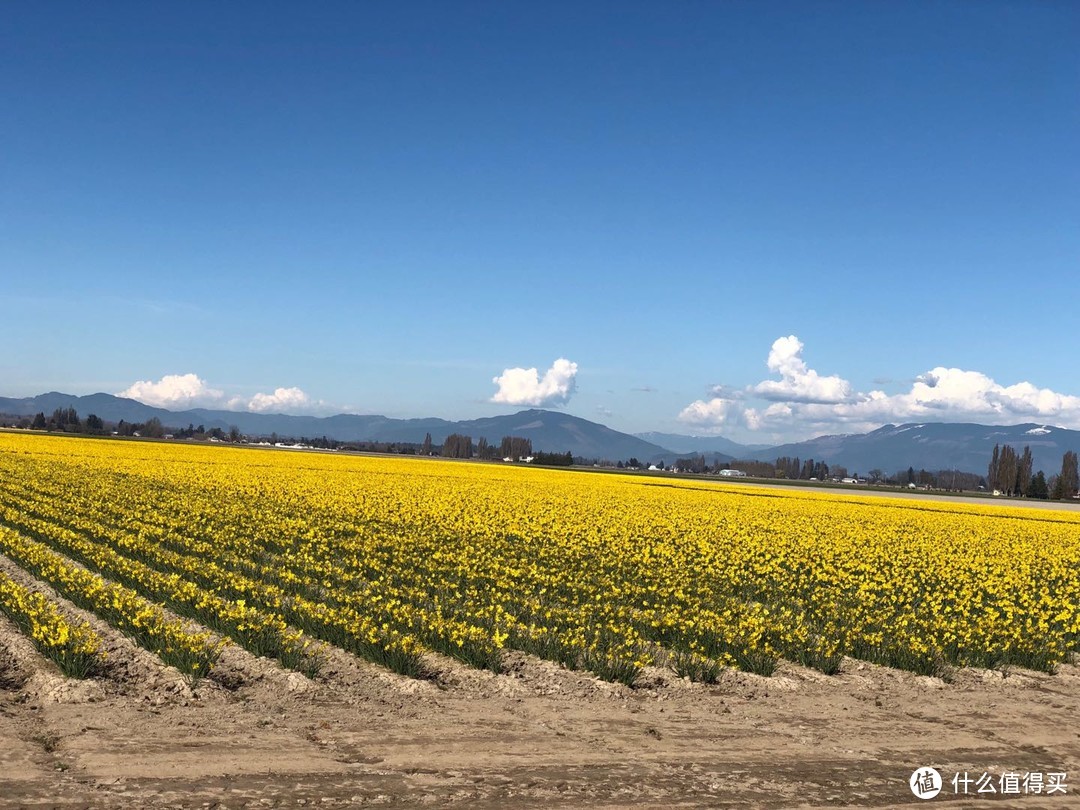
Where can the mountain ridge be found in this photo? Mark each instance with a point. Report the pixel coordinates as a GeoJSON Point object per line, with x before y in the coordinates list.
{"type": "Point", "coordinates": [549, 431]}
{"type": "Point", "coordinates": [932, 445]}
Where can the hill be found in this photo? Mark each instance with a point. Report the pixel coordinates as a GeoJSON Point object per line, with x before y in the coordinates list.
{"type": "Point", "coordinates": [548, 431]}
{"type": "Point", "coordinates": [933, 446]}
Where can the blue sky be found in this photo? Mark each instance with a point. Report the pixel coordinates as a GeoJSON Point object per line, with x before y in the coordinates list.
{"type": "Point", "coordinates": [766, 220]}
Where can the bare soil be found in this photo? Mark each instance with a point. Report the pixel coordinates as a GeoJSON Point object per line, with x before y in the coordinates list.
{"type": "Point", "coordinates": [537, 735]}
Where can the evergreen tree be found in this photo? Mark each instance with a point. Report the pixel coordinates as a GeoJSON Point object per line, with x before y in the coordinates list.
{"type": "Point", "coordinates": [1039, 489]}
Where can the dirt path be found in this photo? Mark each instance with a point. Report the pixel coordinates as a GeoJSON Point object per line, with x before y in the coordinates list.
{"type": "Point", "coordinates": [537, 736]}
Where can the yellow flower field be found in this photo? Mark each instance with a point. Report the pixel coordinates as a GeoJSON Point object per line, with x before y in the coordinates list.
{"type": "Point", "coordinates": [390, 557]}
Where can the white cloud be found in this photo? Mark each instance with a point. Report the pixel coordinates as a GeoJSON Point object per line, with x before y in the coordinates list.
{"type": "Point", "coordinates": [174, 391]}
{"type": "Point", "coordinates": [805, 403]}
{"type": "Point", "coordinates": [183, 391]}
{"type": "Point", "coordinates": [717, 412]}
{"type": "Point", "coordinates": [524, 386]}
{"type": "Point", "coordinates": [797, 382]}
{"type": "Point", "coordinates": [283, 400]}
{"type": "Point", "coordinates": [958, 394]}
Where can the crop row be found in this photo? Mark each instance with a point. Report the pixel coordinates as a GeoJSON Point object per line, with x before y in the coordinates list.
{"type": "Point", "coordinates": [194, 654]}
{"type": "Point", "coordinates": [73, 646]}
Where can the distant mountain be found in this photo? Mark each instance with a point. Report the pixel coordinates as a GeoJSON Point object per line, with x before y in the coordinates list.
{"type": "Point", "coordinates": [933, 446]}
{"type": "Point", "coordinates": [549, 431]}
{"type": "Point", "coordinates": [702, 445]}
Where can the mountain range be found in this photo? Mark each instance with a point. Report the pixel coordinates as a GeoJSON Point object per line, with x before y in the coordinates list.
{"type": "Point", "coordinates": [931, 446]}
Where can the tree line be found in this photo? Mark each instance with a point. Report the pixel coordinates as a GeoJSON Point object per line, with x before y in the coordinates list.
{"type": "Point", "coordinates": [67, 420]}
{"type": "Point", "coordinates": [1010, 474]}
{"type": "Point", "coordinates": [515, 448]}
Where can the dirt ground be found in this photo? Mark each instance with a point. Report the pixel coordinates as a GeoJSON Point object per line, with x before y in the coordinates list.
{"type": "Point", "coordinates": [537, 735]}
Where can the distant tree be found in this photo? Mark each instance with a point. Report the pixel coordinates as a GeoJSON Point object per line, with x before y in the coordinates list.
{"type": "Point", "coordinates": [758, 469]}
{"type": "Point", "coordinates": [94, 423]}
{"type": "Point", "coordinates": [1008, 470]}
{"type": "Point", "coordinates": [457, 446]}
{"type": "Point", "coordinates": [992, 471]}
{"type": "Point", "coordinates": [482, 450]}
{"type": "Point", "coordinates": [787, 467]}
{"type": "Point", "coordinates": [694, 464]}
{"type": "Point", "coordinates": [1068, 481]}
{"type": "Point", "coordinates": [876, 475]}
{"type": "Point", "coordinates": [515, 447]}
{"type": "Point", "coordinates": [633, 464]}
{"type": "Point", "coordinates": [39, 422]}
{"type": "Point", "coordinates": [557, 459]}
{"type": "Point", "coordinates": [1039, 488]}
{"type": "Point", "coordinates": [1023, 472]}
{"type": "Point", "coordinates": [153, 429]}
{"type": "Point", "coordinates": [65, 419]}
{"type": "Point", "coordinates": [911, 475]}
{"type": "Point", "coordinates": [1053, 484]}
{"type": "Point", "coordinates": [426, 446]}
{"type": "Point", "coordinates": [234, 434]}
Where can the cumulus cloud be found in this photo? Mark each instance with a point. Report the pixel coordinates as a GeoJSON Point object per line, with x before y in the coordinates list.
{"type": "Point", "coordinates": [716, 412]}
{"type": "Point", "coordinates": [969, 394]}
{"type": "Point", "coordinates": [183, 391]}
{"type": "Point", "coordinates": [174, 391]}
{"type": "Point", "coordinates": [283, 400]}
{"type": "Point", "coordinates": [797, 382]}
{"type": "Point", "coordinates": [807, 403]}
{"type": "Point", "coordinates": [525, 386]}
